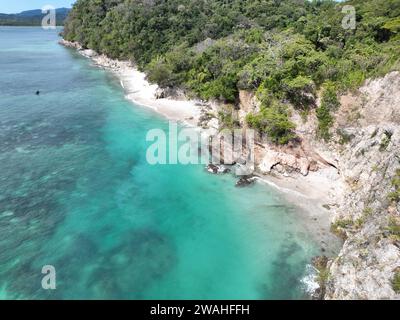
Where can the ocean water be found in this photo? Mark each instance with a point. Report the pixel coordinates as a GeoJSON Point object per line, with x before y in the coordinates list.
{"type": "Point", "coordinates": [77, 193]}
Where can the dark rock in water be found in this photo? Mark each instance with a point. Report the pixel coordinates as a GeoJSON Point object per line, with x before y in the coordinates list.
{"type": "Point", "coordinates": [318, 294]}
{"type": "Point", "coordinates": [245, 181]}
{"type": "Point", "coordinates": [212, 168]}
{"type": "Point", "coordinates": [320, 263]}
{"type": "Point", "coordinates": [216, 169]}
{"type": "Point", "coordinates": [224, 170]}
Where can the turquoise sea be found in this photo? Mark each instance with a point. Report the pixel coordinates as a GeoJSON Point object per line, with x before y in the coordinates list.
{"type": "Point", "coordinates": [77, 193]}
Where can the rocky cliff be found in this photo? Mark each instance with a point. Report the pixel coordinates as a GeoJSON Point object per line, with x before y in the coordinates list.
{"type": "Point", "coordinates": [363, 195]}
{"type": "Point", "coordinates": [365, 209]}
{"type": "Point", "coordinates": [368, 213]}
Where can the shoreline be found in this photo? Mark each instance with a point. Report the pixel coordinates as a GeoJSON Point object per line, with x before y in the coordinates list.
{"type": "Point", "coordinates": [315, 203]}
{"type": "Point", "coordinates": [139, 91]}
{"type": "Point", "coordinates": [303, 192]}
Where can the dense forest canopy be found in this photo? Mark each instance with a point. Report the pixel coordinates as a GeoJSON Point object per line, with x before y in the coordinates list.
{"type": "Point", "coordinates": [285, 50]}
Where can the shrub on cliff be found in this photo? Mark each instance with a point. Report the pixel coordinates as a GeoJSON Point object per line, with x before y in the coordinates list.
{"type": "Point", "coordinates": [340, 226]}
{"type": "Point", "coordinates": [329, 104]}
{"type": "Point", "coordinates": [300, 91]}
{"type": "Point", "coordinates": [325, 122]}
{"type": "Point", "coordinates": [395, 195]}
{"type": "Point", "coordinates": [396, 282]}
{"type": "Point", "coordinates": [274, 122]}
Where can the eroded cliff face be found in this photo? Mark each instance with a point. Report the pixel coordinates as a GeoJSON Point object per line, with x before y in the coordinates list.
{"type": "Point", "coordinates": [365, 151]}
{"type": "Point", "coordinates": [366, 215]}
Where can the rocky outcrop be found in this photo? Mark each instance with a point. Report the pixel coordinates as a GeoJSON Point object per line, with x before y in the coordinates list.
{"type": "Point", "coordinates": [368, 163]}
{"type": "Point", "coordinates": [297, 157]}
{"type": "Point", "coordinates": [366, 265]}
{"type": "Point", "coordinates": [247, 103]}
{"type": "Point", "coordinates": [378, 101]}
{"type": "Point", "coordinates": [365, 150]}
{"type": "Point", "coordinates": [70, 44]}
{"type": "Point", "coordinates": [217, 169]}
{"type": "Point", "coordinates": [245, 181]}
{"type": "Point", "coordinates": [170, 92]}
{"type": "Point", "coordinates": [283, 163]}
{"type": "Point", "coordinates": [100, 60]}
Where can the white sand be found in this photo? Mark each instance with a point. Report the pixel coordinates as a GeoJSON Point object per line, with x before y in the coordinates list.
{"type": "Point", "coordinates": [141, 92]}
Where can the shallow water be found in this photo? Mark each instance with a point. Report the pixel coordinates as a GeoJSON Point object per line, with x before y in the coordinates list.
{"type": "Point", "coordinates": [77, 193]}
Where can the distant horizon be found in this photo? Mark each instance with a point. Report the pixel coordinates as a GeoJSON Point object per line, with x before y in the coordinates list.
{"type": "Point", "coordinates": [18, 6]}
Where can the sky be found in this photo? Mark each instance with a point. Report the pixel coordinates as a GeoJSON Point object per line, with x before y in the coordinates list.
{"type": "Point", "coordinates": [16, 6]}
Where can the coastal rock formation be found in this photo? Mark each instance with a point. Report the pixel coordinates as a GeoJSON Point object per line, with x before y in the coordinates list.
{"type": "Point", "coordinates": [217, 169]}
{"type": "Point", "coordinates": [248, 103]}
{"type": "Point", "coordinates": [297, 157]}
{"type": "Point", "coordinates": [366, 264]}
{"type": "Point", "coordinates": [365, 151]}
{"type": "Point", "coordinates": [281, 161]}
{"type": "Point", "coordinates": [101, 60]}
{"type": "Point", "coordinates": [169, 92]}
{"type": "Point", "coordinates": [365, 104]}
{"type": "Point", "coordinates": [245, 181]}
{"type": "Point", "coordinates": [70, 44]}
{"type": "Point", "coordinates": [291, 159]}
{"type": "Point", "coordinates": [366, 215]}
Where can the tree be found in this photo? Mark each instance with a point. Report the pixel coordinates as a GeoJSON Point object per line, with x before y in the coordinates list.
{"type": "Point", "coordinates": [300, 91]}
{"type": "Point", "coordinates": [160, 72]}
{"type": "Point", "coordinates": [273, 121]}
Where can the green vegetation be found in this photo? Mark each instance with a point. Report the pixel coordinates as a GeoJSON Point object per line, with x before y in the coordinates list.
{"type": "Point", "coordinates": [361, 220]}
{"type": "Point", "coordinates": [396, 281]}
{"type": "Point", "coordinates": [320, 263]}
{"type": "Point", "coordinates": [274, 121]}
{"type": "Point", "coordinates": [395, 195]}
{"type": "Point", "coordinates": [394, 228]}
{"type": "Point", "coordinates": [344, 137]}
{"type": "Point", "coordinates": [339, 227]}
{"type": "Point", "coordinates": [325, 120]}
{"type": "Point", "coordinates": [329, 104]}
{"type": "Point", "coordinates": [323, 277]}
{"type": "Point", "coordinates": [385, 141]}
{"type": "Point", "coordinates": [288, 50]}
{"type": "Point", "coordinates": [227, 117]}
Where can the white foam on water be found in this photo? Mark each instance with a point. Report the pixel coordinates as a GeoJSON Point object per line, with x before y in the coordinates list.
{"type": "Point", "coordinates": [286, 190]}
{"type": "Point", "coordinates": [309, 281]}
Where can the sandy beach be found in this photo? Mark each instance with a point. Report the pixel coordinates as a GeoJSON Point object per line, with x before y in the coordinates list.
{"type": "Point", "coordinates": [141, 92]}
